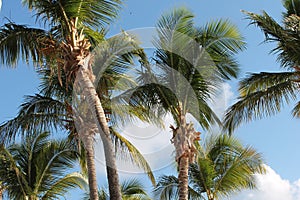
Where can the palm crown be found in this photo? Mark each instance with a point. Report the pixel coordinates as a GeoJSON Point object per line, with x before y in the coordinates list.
{"type": "Point", "coordinates": [36, 169]}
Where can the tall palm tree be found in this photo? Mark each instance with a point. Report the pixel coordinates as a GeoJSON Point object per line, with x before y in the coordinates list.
{"type": "Point", "coordinates": [50, 109]}
{"type": "Point", "coordinates": [73, 31]}
{"type": "Point", "coordinates": [223, 166]}
{"type": "Point", "coordinates": [264, 94]}
{"type": "Point", "coordinates": [191, 61]}
{"type": "Point", "coordinates": [39, 168]}
{"type": "Point", "coordinates": [131, 189]}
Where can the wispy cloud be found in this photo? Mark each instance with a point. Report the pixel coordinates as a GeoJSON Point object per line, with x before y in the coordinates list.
{"type": "Point", "coordinates": [222, 99]}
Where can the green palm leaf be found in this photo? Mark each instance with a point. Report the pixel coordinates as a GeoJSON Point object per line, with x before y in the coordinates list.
{"type": "Point", "coordinates": [262, 94]}
{"type": "Point", "coordinates": [63, 185]}
{"type": "Point", "coordinates": [131, 189]}
{"type": "Point", "coordinates": [38, 168]}
{"type": "Point", "coordinates": [93, 13]}
{"type": "Point", "coordinates": [21, 42]}
{"type": "Point", "coordinates": [38, 113]}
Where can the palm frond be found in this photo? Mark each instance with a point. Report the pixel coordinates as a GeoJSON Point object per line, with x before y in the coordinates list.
{"type": "Point", "coordinates": [202, 175]}
{"type": "Point", "coordinates": [240, 174]}
{"type": "Point", "coordinates": [38, 167]}
{"type": "Point", "coordinates": [133, 189]}
{"type": "Point", "coordinates": [262, 95]}
{"type": "Point", "coordinates": [21, 42]}
{"type": "Point", "coordinates": [167, 188]}
{"type": "Point", "coordinates": [50, 85]}
{"type": "Point", "coordinates": [286, 38]}
{"type": "Point", "coordinates": [296, 110]}
{"type": "Point", "coordinates": [92, 13]}
{"type": "Point", "coordinates": [59, 156]}
{"type": "Point", "coordinates": [61, 186]}
{"type": "Point", "coordinates": [222, 40]}
{"type": "Point", "coordinates": [12, 177]}
{"type": "Point", "coordinates": [38, 113]}
{"type": "Point", "coordinates": [262, 81]}
{"type": "Point", "coordinates": [292, 7]}
{"type": "Point", "coordinates": [225, 166]}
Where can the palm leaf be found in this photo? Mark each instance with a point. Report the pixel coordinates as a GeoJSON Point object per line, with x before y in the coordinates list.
{"type": "Point", "coordinates": [19, 42]}
{"type": "Point", "coordinates": [221, 39]}
{"type": "Point", "coordinates": [93, 13]}
{"type": "Point", "coordinates": [261, 95]}
{"type": "Point", "coordinates": [292, 7]}
{"type": "Point", "coordinates": [286, 38]}
{"type": "Point", "coordinates": [167, 189]}
{"type": "Point", "coordinates": [38, 113]}
{"type": "Point", "coordinates": [72, 180]}
{"type": "Point", "coordinates": [38, 167]}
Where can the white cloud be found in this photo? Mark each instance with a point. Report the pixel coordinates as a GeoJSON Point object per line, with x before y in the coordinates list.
{"type": "Point", "coordinates": [271, 186]}
{"type": "Point", "coordinates": [153, 142]}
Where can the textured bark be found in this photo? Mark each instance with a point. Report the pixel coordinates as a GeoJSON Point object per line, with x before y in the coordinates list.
{"type": "Point", "coordinates": [92, 177]}
{"type": "Point", "coordinates": [183, 177]}
{"type": "Point", "coordinates": [210, 195]}
{"type": "Point", "coordinates": [184, 137]}
{"type": "Point", "coordinates": [100, 118]}
{"type": "Point", "coordinates": [1, 193]}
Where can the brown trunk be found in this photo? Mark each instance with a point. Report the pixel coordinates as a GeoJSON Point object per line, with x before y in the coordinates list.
{"type": "Point", "coordinates": [92, 177]}
{"type": "Point", "coordinates": [210, 195]}
{"type": "Point", "coordinates": [1, 193]}
{"type": "Point", "coordinates": [98, 112]}
{"type": "Point", "coordinates": [183, 177]}
{"type": "Point", "coordinates": [184, 137]}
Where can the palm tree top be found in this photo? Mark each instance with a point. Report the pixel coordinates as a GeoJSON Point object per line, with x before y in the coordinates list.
{"type": "Point", "coordinates": [38, 167]}
{"type": "Point", "coordinates": [89, 13]}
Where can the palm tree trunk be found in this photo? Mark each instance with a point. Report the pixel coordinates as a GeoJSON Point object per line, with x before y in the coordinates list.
{"type": "Point", "coordinates": [1, 193]}
{"type": "Point", "coordinates": [92, 177]}
{"type": "Point", "coordinates": [97, 110]}
{"type": "Point", "coordinates": [184, 137]}
{"type": "Point", "coordinates": [210, 195]}
{"type": "Point", "coordinates": [183, 177]}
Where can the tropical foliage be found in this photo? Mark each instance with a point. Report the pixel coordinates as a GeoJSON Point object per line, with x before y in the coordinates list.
{"type": "Point", "coordinates": [263, 94]}
{"type": "Point", "coordinates": [75, 28]}
{"type": "Point", "coordinates": [39, 168]}
{"type": "Point", "coordinates": [223, 167]}
{"type": "Point", "coordinates": [131, 189]}
{"type": "Point", "coordinates": [190, 63]}
{"type": "Point", "coordinates": [51, 110]}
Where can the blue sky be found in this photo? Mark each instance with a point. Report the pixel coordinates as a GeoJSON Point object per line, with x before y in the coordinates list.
{"type": "Point", "coordinates": [277, 138]}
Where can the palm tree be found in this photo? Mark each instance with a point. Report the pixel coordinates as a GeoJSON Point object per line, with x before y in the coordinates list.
{"type": "Point", "coordinates": [264, 94]}
{"type": "Point", "coordinates": [190, 62]}
{"type": "Point", "coordinates": [39, 168]}
{"type": "Point", "coordinates": [223, 166]}
{"type": "Point", "coordinates": [131, 189]}
{"type": "Point", "coordinates": [73, 31]}
{"type": "Point", "coordinates": [50, 109]}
